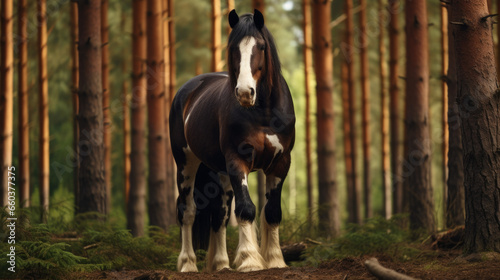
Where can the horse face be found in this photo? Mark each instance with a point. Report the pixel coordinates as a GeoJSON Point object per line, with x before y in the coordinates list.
{"type": "Point", "coordinates": [251, 64]}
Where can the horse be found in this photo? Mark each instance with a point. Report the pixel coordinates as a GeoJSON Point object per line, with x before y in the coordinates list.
{"type": "Point", "coordinates": [223, 126]}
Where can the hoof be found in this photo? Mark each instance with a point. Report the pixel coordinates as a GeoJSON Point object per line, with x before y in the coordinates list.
{"type": "Point", "coordinates": [186, 263]}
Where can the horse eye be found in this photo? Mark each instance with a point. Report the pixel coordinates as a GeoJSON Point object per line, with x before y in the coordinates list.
{"type": "Point", "coordinates": [260, 68]}
{"type": "Point", "coordinates": [262, 47]}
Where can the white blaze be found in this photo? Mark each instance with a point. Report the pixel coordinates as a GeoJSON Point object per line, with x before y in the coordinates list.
{"type": "Point", "coordinates": [245, 79]}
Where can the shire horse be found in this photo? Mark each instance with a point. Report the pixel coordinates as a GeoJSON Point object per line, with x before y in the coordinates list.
{"type": "Point", "coordinates": [223, 126]}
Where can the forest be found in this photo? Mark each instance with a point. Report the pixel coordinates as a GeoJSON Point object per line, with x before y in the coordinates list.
{"type": "Point", "coordinates": [397, 137]}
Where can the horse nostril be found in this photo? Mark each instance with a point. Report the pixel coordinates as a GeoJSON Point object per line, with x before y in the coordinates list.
{"type": "Point", "coordinates": [252, 92]}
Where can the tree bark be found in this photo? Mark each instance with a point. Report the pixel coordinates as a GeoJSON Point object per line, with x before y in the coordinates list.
{"type": "Point", "coordinates": [395, 120]}
{"type": "Point", "coordinates": [158, 204]}
{"type": "Point", "coordinates": [328, 211]}
{"type": "Point", "coordinates": [346, 126]}
{"type": "Point", "coordinates": [136, 210]}
{"type": "Point", "coordinates": [169, 95]}
{"type": "Point", "coordinates": [259, 5]}
{"type": "Point", "coordinates": [455, 205]}
{"type": "Point", "coordinates": [126, 122]}
{"type": "Point", "coordinates": [417, 118]}
{"type": "Point", "coordinates": [74, 93]}
{"type": "Point", "coordinates": [384, 121]}
{"type": "Point", "coordinates": [6, 95]}
{"type": "Point", "coordinates": [307, 54]}
{"type": "Point", "coordinates": [23, 123]}
{"type": "Point", "coordinates": [365, 90]}
{"type": "Point", "coordinates": [92, 196]}
{"type": "Point", "coordinates": [479, 104]}
{"type": "Point", "coordinates": [444, 103]}
{"type": "Point", "coordinates": [43, 102]}
{"type": "Point", "coordinates": [172, 47]}
{"type": "Point", "coordinates": [216, 63]}
{"type": "Point", "coordinates": [105, 100]}
{"type": "Point", "coordinates": [354, 192]}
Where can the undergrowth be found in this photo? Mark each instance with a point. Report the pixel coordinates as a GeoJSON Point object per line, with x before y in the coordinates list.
{"type": "Point", "coordinates": [91, 243]}
{"type": "Point", "coordinates": [389, 237]}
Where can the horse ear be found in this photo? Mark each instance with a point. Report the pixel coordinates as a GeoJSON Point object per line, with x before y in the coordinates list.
{"type": "Point", "coordinates": [233, 18]}
{"type": "Point", "coordinates": [258, 18]}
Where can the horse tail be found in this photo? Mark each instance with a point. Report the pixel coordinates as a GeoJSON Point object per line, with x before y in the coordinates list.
{"type": "Point", "coordinates": [207, 196]}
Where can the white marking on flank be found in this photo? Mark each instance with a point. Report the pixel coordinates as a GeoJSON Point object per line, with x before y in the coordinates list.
{"type": "Point", "coordinates": [245, 79]}
{"type": "Point", "coordinates": [275, 141]}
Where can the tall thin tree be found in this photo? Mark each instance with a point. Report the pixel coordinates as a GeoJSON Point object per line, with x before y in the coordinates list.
{"type": "Point", "coordinates": [444, 102]}
{"type": "Point", "coordinates": [455, 205]}
{"type": "Point", "coordinates": [6, 95]}
{"type": "Point", "coordinates": [365, 109]}
{"type": "Point", "coordinates": [171, 182]}
{"type": "Point", "coordinates": [307, 54]}
{"type": "Point", "coordinates": [384, 121]}
{"type": "Point", "coordinates": [136, 210]}
{"type": "Point", "coordinates": [106, 98]}
{"type": "Point", "coordinates": [354, 192]}
{"type": "Point", "coordinates": [216, 63]}
{"type": "Point", "coordinates": [92, 195]}
{"type": "Point", "coordinates": [417, 117]}
{"type": "Point", "coordinates": [259, 5]}
{"type": "Point", "coordinates": [157, 202]}
{"type": "Point", "coordinates": [43, 103]}
{"type": "Point", "coordinates": [172, 47]}
{"type": "Point", "coordinates": [323, 59]}
{"type": "Point", "coordinates": [395, 121]}
{"type": "Point", "coordinates": [479, 103]}
{"type": "Point", "coordinates": [23, 122]}
{"type": "Point", "coordinates": [126, 119]}
{"type": "Point", "coordinates": [74, 93]}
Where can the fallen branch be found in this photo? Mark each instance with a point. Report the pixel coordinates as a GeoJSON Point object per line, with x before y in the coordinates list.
{"type": "Point", "coordinates": [293, 252]}
{"type": "Point", "coordinates": [381, 272]}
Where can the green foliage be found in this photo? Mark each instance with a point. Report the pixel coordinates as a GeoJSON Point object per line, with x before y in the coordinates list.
{"type": "Point", "coordinates": [375, 236]}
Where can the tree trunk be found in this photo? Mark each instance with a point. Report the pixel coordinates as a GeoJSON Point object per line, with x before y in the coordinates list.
{"type": "Point", "coordinates": [328, 212]}
{"type": "Point", "coordinates": [354, 192]}
{"type": "Point", "coordinates": [384, 121]}
{"type": "Point", "coordinates": [259, 5]}
{"type": "Point", "coordinates": [455, 205]}
{"type": "Point", "coordinates": [346, 126]}
{"type": "Point", "coordinates": [169, 95]}
{"type": "Point", "coordinates": [307, 54]}
{"type": "Point", "coordinates": [230, 7]}
{"type": "Point", "coordinates": [23, 123]}
{"type": "Point", "coordinates": [92, 197]}
{"type": "Point", "coordinates": [158, 204]}
{"type": "Point", "coordinates": [43, 102]}
{"type": "Point", "coordinates": [365, 89]}
{"type": "Point", "coordinates": [74, 93]}
{"type": "Point", "coordinates": [444, 103]}
{"type": "Point", "coordinates": [6, 95]}
{"type": "Point", "coordinates": [126, 121]}
{"type": "Point", "coordinates": [396, 162]}
{"type": "Point", "coordinates": [105, 100]}
{"type": "Point", "coordinates": [479, 102]}
{"type": "Point", "coordinates": [171, 44]}
{"type": "Point", "coordinates": [417, 118]}
{"type": "Point", "coordinates": [216, 63]}
{"type": "Point", "coordinates": [136, 210]}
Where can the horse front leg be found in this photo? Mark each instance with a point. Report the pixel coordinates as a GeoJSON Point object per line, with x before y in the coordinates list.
{"type": "Point", "coordinates": [271, 215]}
{"type": "Point", "coordinates": [248, 257]}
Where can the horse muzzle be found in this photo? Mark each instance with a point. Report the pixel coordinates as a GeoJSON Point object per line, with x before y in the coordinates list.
{"type": "Point", "coordinates": [246, 96]}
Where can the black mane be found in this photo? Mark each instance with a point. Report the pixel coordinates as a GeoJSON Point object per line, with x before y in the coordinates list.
{"type": "Point", "coordinates": [246, 27]}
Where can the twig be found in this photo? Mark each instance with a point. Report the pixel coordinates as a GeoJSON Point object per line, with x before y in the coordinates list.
{"type": "Point", "coordinates": [381, 272]}
{"type": "Point", "coordinates": [91, 246]}
{"type": "Point", "coordinates": [313, 241]}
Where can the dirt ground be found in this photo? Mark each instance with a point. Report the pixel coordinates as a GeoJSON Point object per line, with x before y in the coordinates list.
{"type": "Point", "coordinates": [440, 265]}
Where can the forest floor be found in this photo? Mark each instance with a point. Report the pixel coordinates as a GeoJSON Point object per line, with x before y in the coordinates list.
{"type": "Point", "coordinates": [430, 264]}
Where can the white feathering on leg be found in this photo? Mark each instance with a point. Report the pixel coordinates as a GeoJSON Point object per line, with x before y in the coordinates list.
{"type": "Point", "coordinates": [248, 257]}
{"type": "Point", "coordinates": [270, 243]}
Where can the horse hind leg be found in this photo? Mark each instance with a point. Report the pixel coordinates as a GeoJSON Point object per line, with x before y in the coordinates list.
{"type": "Point", "coordinates": [217, 258]}
{"type": "Point", "coordinates": [187, 210]}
